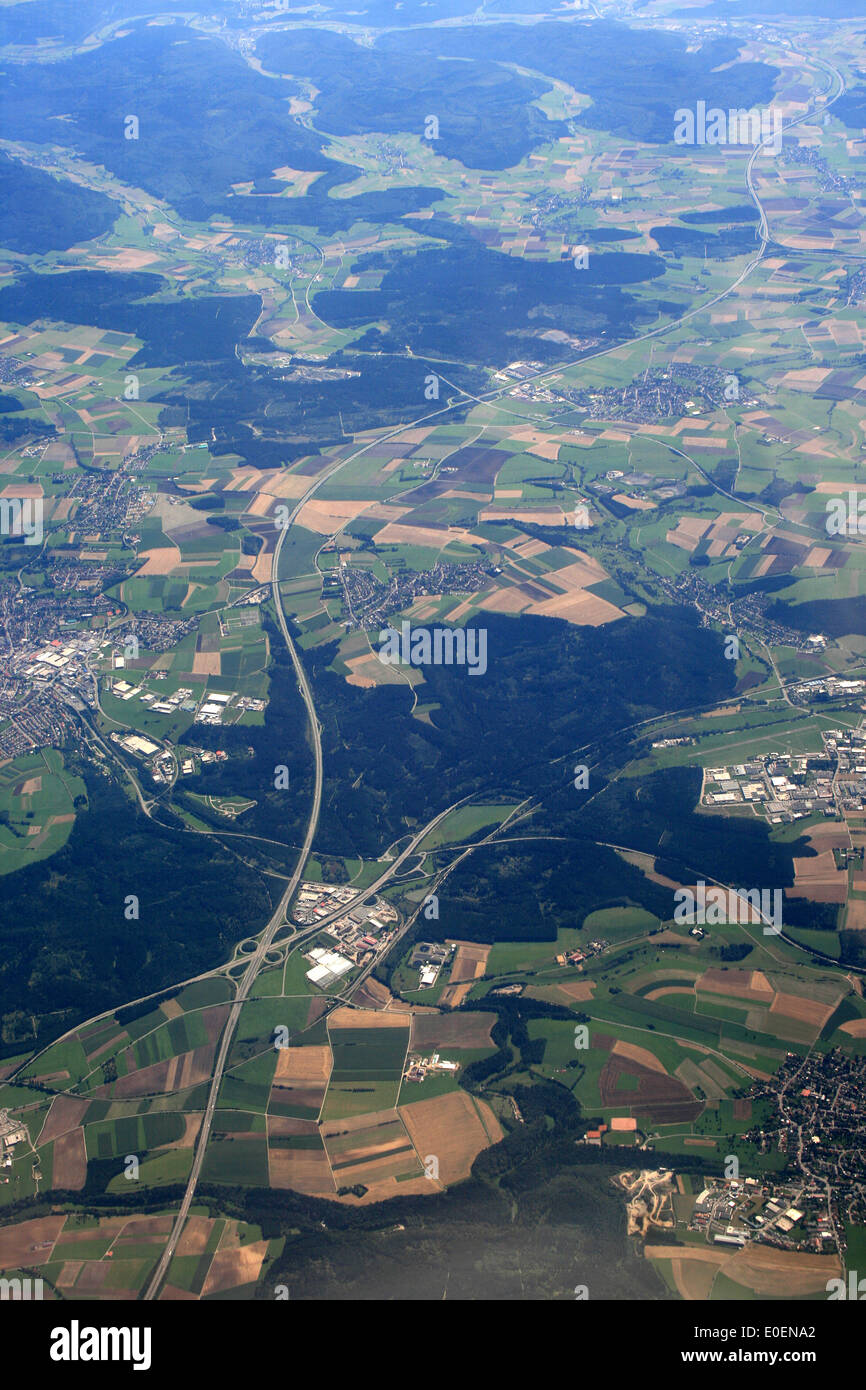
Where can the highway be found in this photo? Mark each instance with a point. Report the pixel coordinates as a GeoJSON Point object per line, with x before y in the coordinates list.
{"type": "Point", "coordinates": [265, 941]}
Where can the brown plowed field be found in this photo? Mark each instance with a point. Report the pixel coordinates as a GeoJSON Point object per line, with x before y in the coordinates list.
{"type": "Point", "coordinates": [470, 961]}
{"type": "Point", "coordinates": [18, 1244]}
{"type": "Point", "coordinates": [190, 1069]}
{"type": "Point", "coordinates": [738, 984]}
{"type": "Point", "coordinates": [70, 1161]}
{"type": "Point", "coordinates": [436, 1030]}
{"type": "Point", "coordinates": [305, 1170]}
{"type": "Point", "coordinates": [663, 1098]}
{"type": "Point", "coordinates": [282, 1125]}
{"type": "Point", "coordinates": [66, 1113]}
{"type": "Point", "coordinates": [811, 1011]}
{"type": "Point", "coordinates": [373, 994]}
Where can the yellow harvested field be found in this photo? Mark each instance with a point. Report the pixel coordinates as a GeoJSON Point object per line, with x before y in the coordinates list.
{"type": "Point", "coordinates": [263, 567]}
{"type": "Point", "coordinates": [385, 511]}
{"type": "Point", "coordinates": [371, 1119]}
{"type": "Point", "coordinates": [855, 1027]}
{"type": "Point", "coordinates": [304, 1063]}
{"type": "Point", "coordinates": [366, 671]}
{"type": "Point", "coordinates": [365, 1018]}
{"type": "Point", "coordinates": [819, 880]}
{"type": "Point", "coordinates": [29, 1242]}
{"type": "Point", "coordinates": [504, 601]}
{"type": "Point", "coordinates": [581, 608]}
{"type": "Point", "coordinates": [195, 1235]}
{"type": "Point", "coordinates": [326, 518]}
{"type": "Point", "coordinates": [416, 436]}
{"type": "Point", "coordinates": [22, 490]}
{"type": "Point", "coordinates": [820, 866]}
{"type": "Point", "coordinates": [636, 504]}
{"type": "Point", "coordinates": [261, 504]}
{"type": "Point", "coordinates": [537, 516]}
{"type": "Point", "coordinates": [688, 531]}
{"type": "Point", "coordinates": [230, 1269]}
{"type": "Point", "coordinates": [395, 533]}
{"type": "Point", "coordinates": [298, 180]}
{"type": "Point", "coordinates": [425, 608]}
{"type": "Point", "coordinates": [645, 863]}
{"type": "Point", "coordinates": [282, 484]}
{"type": "Point", "coordinates": [641, 1055]}
{"type": "Point", "coordinates": [817, 557]}
{"type": "Point", "coordinates": [161, 561]}
{"type": "Point", "coordinates": [780, 1273]}
{"type": "Point", "coordinates": [548, 450]}
{"type": "Point", "coordinates": [455, 1127]}
{"type": "Point", "coordinates": [245, 480]}
{"type": "Point", "coordinates": [128, 259]}
{"type": "Point", "coordinates": [839, 487]}
{"type": "Point", "coordinates": [206, 664]}
{"type": "Point", "coordinates": [583, 571]}
{"type": "Point", "coordinates": [192, 1125]}
{"type": "Point", "coordinates": [452, 996]}
{"type": "Point", "coordinates": [693, 1279]}
{"type": "Point", "coordinates": [577, 989]}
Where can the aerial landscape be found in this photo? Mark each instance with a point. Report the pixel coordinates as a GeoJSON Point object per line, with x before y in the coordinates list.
{"type": "Point", "coordinates": [433, 653]}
